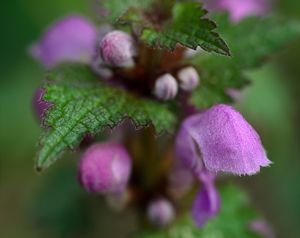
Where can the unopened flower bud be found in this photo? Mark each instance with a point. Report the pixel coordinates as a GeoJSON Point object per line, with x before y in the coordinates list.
{"type": "Point", "coordinates": [161, 212]}
{"type": "Point", "coordinates": [105, 168]}
{"type": "Point", "coordinates": [71, 39]}
{"type": "Point", "coordinates": [39, 105]}
{"type": "Point", "coordinates": [166, 87]}
{"type": "Point", "coordinates": [118, 49]}
{"type": "Point", "coordinates": [188, 78]}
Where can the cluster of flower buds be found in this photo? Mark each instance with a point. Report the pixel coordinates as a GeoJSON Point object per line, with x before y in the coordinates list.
{"type": "Point", "coordinates": [75, 39]}
{"type": "Point", "coordinates": [166, 86]}
{"type": "Point", "coordinates": [216, 140]}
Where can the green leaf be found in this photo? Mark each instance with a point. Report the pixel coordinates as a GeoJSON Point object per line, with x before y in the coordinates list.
{"type": "Point", "coordinates": [83, 104]}
{"type": "Point", "coordinates": [217, 74]}
{"type": "Point", "coordinates": [254, 39]}
{"type": "Point", "coordinates": [232, 221]}
{"type": "Point", "coordinates": [251, 42]}
{"type": "Point", "coordinates": [116, 8]}
{"type": "Point", "coordinates": [187, 26]}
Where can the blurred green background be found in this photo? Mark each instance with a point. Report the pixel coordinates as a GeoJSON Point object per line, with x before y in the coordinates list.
{"type": "Point", "coordinates": [31, 203]}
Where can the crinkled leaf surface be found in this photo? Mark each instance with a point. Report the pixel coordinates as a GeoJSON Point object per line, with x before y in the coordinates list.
{"type": "Point", "coordinates": [83, 104]}
{"type": "Point", "coordinates": [233, 220]}
{"type": "Point", "coordinates": [187, 26]}
{"type": "Point", "coordinates": [251, 42]}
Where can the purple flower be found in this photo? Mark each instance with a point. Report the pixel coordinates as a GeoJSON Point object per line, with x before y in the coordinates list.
{"type": "Point", "coordinates": [207, 203]}
{"type": "Point", "coordinates": [105, 168]}
{"type": "Point", "coordinates": [239, 9]}
{"type": "Point", "coordinates": [188, 78]}
{"type": "Point", "coordinates": [160, 212]}
{"type": "Point", "coordinates": [72, 38]}
{"type": "Point", "coordinates": [166, 87]}
{"type": "Point", "coordinates": [39, 105]}
{"type": "Point", "coordinates": [220, 140]}
{"type": "Point", "coordinates": [118, 49]}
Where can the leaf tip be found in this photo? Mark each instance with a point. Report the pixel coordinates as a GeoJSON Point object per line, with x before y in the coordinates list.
{"type": "Point", "coordinates": [38, 168]}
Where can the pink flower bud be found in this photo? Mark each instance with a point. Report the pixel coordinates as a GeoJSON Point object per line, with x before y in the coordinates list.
{"type": "Point", "coordinates": [118, 49]}
{"type": "Point", "coordinates": [105, 168]}
{"type": "Point", "coordinates": [166, 87]}
{"type": "Point", "coordinates": [72, 38]}
{"type": "Point", "coordinates": [188, 78]}
{"type": "Point", "coordinates": [161, 212]}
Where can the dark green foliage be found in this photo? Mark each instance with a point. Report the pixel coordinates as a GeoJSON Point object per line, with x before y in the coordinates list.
{"type": "Point", "coordinates": [187, 26]}
{"type": "Point", "coordinates": [251, 42]}
{"type": "Point", "coordinates": [83, 104]}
